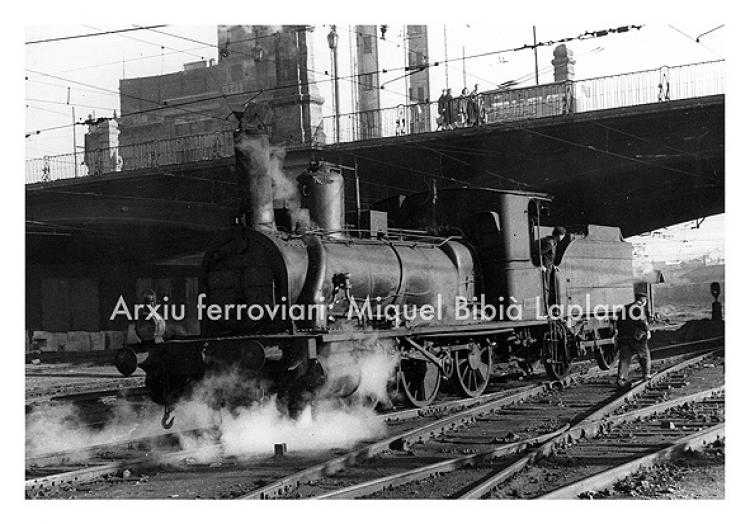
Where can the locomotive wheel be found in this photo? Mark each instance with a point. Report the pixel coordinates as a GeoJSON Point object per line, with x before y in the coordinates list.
{"type": "Point", "coordinates": [557, 355]}
{"type": "Point", "coordinates": [605, 354]}
{"type": "Point", "coordinates": [420, 382]}
{"type": "Point", "coordinates": [472, 370]}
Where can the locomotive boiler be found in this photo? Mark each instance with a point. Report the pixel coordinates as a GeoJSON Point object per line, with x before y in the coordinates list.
{"type": "Point", "coordinates": [449, 289]}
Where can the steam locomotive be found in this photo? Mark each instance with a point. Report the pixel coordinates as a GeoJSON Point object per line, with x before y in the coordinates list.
{"type": "Point", "coordinates": [468, 260]}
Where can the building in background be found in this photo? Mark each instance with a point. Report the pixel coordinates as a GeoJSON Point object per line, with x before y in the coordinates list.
{"type": "Point", "coordinates": [268, 64]}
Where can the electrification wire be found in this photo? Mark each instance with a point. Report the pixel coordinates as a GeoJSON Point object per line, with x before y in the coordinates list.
{"type": "Point", "coordinates": [57, 102]}
{"type": "Point", "coordinates": [704, 46]}
{"type": "Point", "coordinates": [242, 53]}
{"type": "Point", "coordinates": [582, 36]}
{"type": "Point", "coordinates": [29, 106]}
{"type": "Point", "coordinates": [631, 135]}
{"type": "Point", "coordinates": [161, 105]}
{"type": "Point", "coordinates": [610, 153]}
{"type": "Point", "coordinates": [127, 60]}
{"type": "Point", "coordinates": [416, 53]}
{"type": "Point", "coordinates": [499, 177]}
{"type": "Point", "coordinates": [165, 106]}
{"type": "Point", "coordinates": [87, 35]}
{"type": "Point", "coordinates": [154, 43]}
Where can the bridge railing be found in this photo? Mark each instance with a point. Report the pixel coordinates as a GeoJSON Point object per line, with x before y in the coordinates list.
{"type": "Point", "coordinates": [508, 105]}
{"type": "Point", "coordinates": [158, 153]}
{"type": "Point", "coordinates": [497, 106]}
{"type": "Point", "coordinates": [650, 86]}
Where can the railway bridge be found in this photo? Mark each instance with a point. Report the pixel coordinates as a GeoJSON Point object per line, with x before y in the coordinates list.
{"type": "Point", "coordinates": [640, 150]}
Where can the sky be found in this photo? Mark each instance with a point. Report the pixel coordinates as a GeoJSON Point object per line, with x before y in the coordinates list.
{"type": "Point", "coordinates": [83, 75]}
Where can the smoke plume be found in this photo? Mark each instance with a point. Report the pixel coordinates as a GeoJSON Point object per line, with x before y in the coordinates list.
{"type": "Point", "coordinates": [270, 159]}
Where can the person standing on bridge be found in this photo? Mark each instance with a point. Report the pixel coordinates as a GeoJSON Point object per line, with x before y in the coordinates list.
{"type": "Point", "coordinates": [463, 108]}
{"type": "Point", "coordinates": [441, 111]}
{"type": "Point", "coordinates": [450, 111]}
{"type": "Point", "coordinates": [632, 335]}
{"type": "Point", "coordinates": [473, 107]}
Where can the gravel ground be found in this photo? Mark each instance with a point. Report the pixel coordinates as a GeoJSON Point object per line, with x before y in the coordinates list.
{"type": "Point", "coordinates": [696, 475]}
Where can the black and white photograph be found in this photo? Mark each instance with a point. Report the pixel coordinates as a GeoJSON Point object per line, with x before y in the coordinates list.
{"type": "Point", "coordinates": [449, 259]}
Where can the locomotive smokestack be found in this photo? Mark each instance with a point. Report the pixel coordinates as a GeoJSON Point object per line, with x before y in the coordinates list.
{"type": "Point", "coordinates": [252, 155]}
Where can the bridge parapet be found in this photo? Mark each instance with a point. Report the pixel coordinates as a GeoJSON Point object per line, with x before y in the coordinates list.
{"type": "Point", "coordinates": [496, 106]}
{"type": "Point", "coordinates": [158, 153]}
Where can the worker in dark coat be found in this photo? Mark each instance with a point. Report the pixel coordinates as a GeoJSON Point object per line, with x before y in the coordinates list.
{"type": "Point", "coordinates": [549, 246]}
{"type": "Point", "coordinates": [632, 338]}
{"type": "Point", "coordinates": [441, 111]}
{"type": "Point", "coordinates": [549, 254]}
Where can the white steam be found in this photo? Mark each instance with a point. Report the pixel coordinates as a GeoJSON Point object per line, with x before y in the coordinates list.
{"type": "Point", "coordinates": [57, 427]}
{"type": "Point", "coordinates": [272, 158]}
{"type": "Point", "coordinates": [321, 424]}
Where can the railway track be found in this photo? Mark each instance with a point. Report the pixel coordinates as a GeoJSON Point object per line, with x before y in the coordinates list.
{"type": "Point", "coordinates": [407, 428]}
{"type": "Point", "coordinates": [456, 470]}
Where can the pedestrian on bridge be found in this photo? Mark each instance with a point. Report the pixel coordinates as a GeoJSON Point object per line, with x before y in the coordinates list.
{"type": "Point", "coordinates": [463, 108]}
{"type": "Point", "coordinates": [450, 110]}
{"type": "Point", "coordinates": [441, 111]}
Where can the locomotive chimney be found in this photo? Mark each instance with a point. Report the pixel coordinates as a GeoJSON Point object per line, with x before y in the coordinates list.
{"type": "Point", "coordinates": [322, 192]}
{"type": "Point", "coordinates": [252, 161]}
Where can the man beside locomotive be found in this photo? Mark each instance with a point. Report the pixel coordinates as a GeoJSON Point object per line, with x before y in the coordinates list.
{"type": "Point", "coordinates": [549, 246]}
{"type": "Point", "coordinates": [632, 334]}
{"type": "Point", "coordinates": [549, 250]}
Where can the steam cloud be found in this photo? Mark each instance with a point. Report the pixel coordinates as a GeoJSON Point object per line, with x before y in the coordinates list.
{"type": "Point", "coordinates": [56, 427]}
{"type": "Point", "coordinates": [272, 157]}
{"type": "Point", "coordinates": [322, 424]}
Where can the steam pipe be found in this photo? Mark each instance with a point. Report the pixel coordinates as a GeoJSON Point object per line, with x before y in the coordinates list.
{"type": "Point", "coordinates": [312, 290]}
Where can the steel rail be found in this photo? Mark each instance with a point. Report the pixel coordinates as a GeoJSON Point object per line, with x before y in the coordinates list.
{"type": "Point", "coordinates": [591, 425]}
{"type": "Point", "coordinates": [96, 472]}
{"type": "Point", "coordinates": [87, 395]}
{"type": "Point", "coordinates": [446, 466]}
{"type": "Point", "coordinates": [403, 440]}
{"type": "Point", "coordinates": [316, 472]}
{"type": "Point", "coordinates": [641, 387]}
{"type": "Point", "coordinates": [609, 477]}
{"type": "Point", "coordinates": [59, 457]}
{"type": "Point", "coordinates": [591, 372]}
{"type": "Point", "coordinates": [399, 441]}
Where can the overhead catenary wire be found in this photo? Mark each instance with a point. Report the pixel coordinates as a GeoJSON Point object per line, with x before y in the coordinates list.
{"type": "Point", "coordinates": [582, 36]}
{"type": "Point", "coordinates": [160, 105]}
{"type": "Point", "coordinates": [88, 35]}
